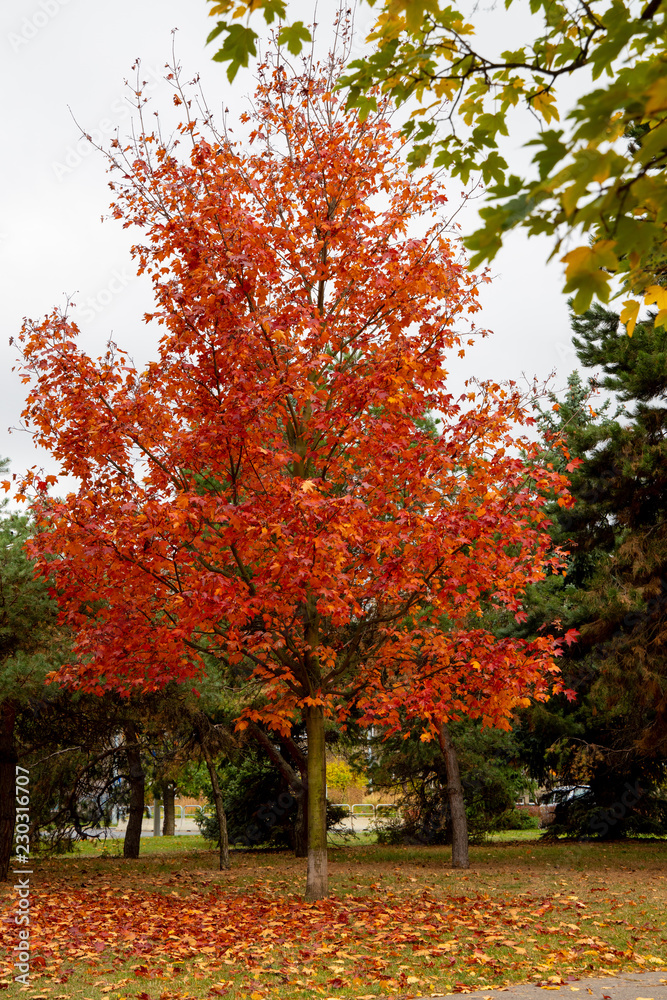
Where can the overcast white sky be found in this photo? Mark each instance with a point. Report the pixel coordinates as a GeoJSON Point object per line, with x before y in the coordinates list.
{"type": "Point", "coordinates": [60, 54]}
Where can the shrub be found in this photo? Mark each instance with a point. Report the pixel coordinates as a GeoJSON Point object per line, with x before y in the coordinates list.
{"type": "Point", "coordinates": [260, 808]}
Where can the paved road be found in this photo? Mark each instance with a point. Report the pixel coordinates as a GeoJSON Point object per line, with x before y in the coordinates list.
{"type": "Point", "coordinates": [626, 986]}
{"type": "Point", "coordinates": [187, 826]}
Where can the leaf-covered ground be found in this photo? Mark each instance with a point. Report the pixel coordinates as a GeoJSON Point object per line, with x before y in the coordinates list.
{"type": "Point", "coordinates": [400, 922]}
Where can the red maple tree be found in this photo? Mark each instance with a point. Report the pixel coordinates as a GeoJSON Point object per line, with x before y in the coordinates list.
{"type": "Point", "coordinates": [269, 493]}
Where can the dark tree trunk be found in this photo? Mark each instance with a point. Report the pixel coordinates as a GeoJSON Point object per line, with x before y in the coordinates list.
{"type": "Point", "coordinates": [301, 821]}
{"type": "Point", "coordinates": [457, 809]}
{"type": "Point", "coordinates": [298, 786]}
{"type": "Point", "coordinates": [301, 825]}
{"type": "Point", "coordinates": [169, 822]}
{"type": "Point", "coordinates": [219, 809]}
{"type": "Point", "coordinates": [8, 760]}
{"type": "Point", "coordinates": [206, 737]}
{"type": "Point", "coordinates": [132, 841]}
{"type": "Point", "coordinates": [317, 886]}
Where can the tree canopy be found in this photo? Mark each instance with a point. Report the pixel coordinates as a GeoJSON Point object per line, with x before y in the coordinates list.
{"type": "Point", "coordinates": [599, 175]}
{"type": "Point", "coordinates": [268, 492]}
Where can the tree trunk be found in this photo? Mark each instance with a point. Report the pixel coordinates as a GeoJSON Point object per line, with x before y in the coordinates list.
{"type": "Point", "coordinates": [457, 809]}
{"type": "Point", "coordinates": [132, 841]}
{"type": "Point", "coordinates": [219, 809]}
{"type": "Point", "coordinates": [316, 881]}
{"type": "Point", "coordinates": [168, 795]}
{"type": "Point", "coordinates": [298, 786]}
{"type": "Point", "coordinates": [157, 806]}
{"type": "Point", "coordinates": [301, 823]}
{"type": "Point", "coordinates": [8, 759]}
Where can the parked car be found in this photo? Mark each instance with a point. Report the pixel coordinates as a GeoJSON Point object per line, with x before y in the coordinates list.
{"type": "Point", "coordinates": [557, 796]}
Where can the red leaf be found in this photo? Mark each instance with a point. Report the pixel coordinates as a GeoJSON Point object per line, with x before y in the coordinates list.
{"type": "Point", "coordinates": [571, 636]}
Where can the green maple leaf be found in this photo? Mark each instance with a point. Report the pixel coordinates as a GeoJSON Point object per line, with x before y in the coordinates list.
{"type": "Point", "coordinates": [293, 36]}
{"type": "Point", "coordinates": [237, 47]}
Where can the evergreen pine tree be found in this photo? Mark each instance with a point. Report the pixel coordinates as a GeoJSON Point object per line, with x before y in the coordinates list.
{"type": "Point", "coordinates": [614, 737]}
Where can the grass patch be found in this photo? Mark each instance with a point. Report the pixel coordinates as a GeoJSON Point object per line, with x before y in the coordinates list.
{"type": "Point", "coordinates": [113, 846]}
{"type": "Point", "coordinates": [512, 835]}
{"type": "Point", "coordinates": [400, 921]}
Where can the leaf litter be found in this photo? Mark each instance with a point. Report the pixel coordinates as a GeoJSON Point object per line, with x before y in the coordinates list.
{"type": "Point", "coordinates": [259, 940]}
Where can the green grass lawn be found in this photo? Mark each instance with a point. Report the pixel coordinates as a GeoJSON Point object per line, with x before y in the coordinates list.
{"type": "Point", "coordinates": [400, 921]}
{"type": "Point", "coordinates": [513, 835]}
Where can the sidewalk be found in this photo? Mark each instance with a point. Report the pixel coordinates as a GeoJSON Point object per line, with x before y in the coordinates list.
{"type": "Point", "coordinates": [626, 986]}
{"type": "Point", "coordinates": [187, 826]}
{"type": "Point", "coordinates": [184, 827]}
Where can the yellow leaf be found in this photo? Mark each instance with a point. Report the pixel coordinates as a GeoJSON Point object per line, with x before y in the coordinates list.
{"type": "Point", "coordinates": [583, 259]}
{"type": "Point", "coordinates": [545, 105]}
{"type": "Point", "coordinates": [661, 318]}
{"type": "Point", "coordinates": [657, 96]}
{"type": "Point", "coordinates": [444, 88]}
{"type": "Point", "coordinates": [629, 315]}
{"type": "Point", "coordinates": [656, 295]}
{"type": "Point", "coordinates": [415, 13]}
{"type": "Point", "coordinates": [588, 272]}
{"type": "Point", "coordinates": [603, 171]}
